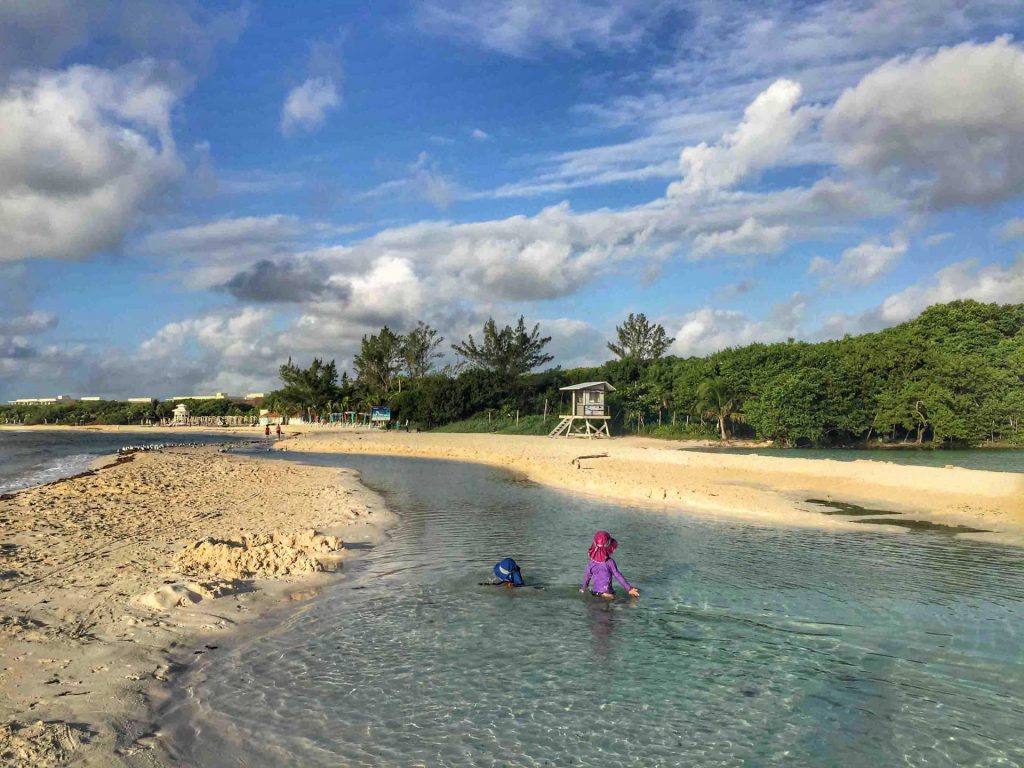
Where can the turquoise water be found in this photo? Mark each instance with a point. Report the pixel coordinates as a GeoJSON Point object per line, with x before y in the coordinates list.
{"type": "Point", "coordinates": [992, 459]}
{"type": "Point", "coordinates": [749, 647]}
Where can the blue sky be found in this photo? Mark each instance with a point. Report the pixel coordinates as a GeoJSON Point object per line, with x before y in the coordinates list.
{"type": "Point", "coordinates": [190, 193]}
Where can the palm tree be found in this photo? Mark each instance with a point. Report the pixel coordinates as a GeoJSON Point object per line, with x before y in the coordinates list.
{"type": "Point", "coordinates": [716, 399]}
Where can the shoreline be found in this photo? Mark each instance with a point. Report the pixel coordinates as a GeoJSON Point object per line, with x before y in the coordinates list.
{"type": "Point", "coordinates": [767, 490]}
{"type": "Point", "coordinates": [96, 608]}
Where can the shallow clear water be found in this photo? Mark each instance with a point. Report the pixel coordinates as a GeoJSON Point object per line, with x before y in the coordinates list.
{"type": "Point", "coordinates": [992, 459]}
{"type": "Point", "coordinates": [33, 457]}
{"type": "Point", "coordinates": [749, 647]}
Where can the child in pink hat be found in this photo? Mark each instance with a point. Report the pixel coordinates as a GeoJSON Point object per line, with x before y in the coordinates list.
{"type": "Point", "coordinates": [602, 567]}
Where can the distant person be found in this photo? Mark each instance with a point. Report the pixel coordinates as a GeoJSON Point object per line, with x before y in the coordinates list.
{"type": "Point", "coordinates": [267, 431]}
{"type": "Point", "coordinates": [508, 573]}
{"type": "Point", "coordinates": [602, 567]}
{"type": "Point", "coordinates": [278, 431]}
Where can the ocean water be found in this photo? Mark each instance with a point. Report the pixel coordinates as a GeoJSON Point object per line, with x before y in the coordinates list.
{"type": "Point", "coordinates": [33, 457]}
{"type": "Point", "coordinates": [750, 646]}
{"type": "Point", "coordinates": [992, 459]}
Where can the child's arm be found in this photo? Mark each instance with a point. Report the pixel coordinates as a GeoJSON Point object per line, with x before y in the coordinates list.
{"type": "Point", "coordinates": [586, 578]}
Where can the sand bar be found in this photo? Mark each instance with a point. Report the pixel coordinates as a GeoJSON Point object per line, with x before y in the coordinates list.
{"type": "Point", "coordinates": [761, 489]}
{"type": "Point", "coordinates": [95, 600]}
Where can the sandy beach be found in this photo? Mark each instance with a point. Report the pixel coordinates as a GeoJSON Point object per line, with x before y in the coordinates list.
{"type": "Point", "coordinates": [765, 490]}
{"type": "Point", "coordinates": [107, 578]}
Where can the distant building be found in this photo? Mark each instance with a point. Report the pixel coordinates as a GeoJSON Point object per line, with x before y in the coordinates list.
{"type": "Point", "coordinates": [214, 396]}
{"type": "Point", "coordinates": [254, 398]}
{"type": "Point", "coordinates": [91, 399]}
{"type": "Point", "coordinates": [139, 399]}
{"type": "Point", "coordinates": [44, 400]}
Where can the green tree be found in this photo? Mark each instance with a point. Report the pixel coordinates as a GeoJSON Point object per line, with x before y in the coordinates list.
{"type": "Point", "coordinates": [716, 399]}
{"type": "Point", "coordinates": [306, 389]}
{"type": "Point", "coordinates": [379, 361]}
{"type": "Point", "coordinates": [789, 408]}
{"type": "Point", "coordinates": [509, 352]}
{"type": "Point", "coordinates": [419, 350]}
{"type": "Point", "coordinates": [640, 340]}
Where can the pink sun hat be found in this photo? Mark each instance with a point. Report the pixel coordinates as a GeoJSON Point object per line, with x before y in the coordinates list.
{"type": "Point", "coordinates": [603, 547]}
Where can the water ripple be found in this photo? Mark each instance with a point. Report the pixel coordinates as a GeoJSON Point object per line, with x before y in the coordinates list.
{"type": "Point", "coordinates": [750, 646]}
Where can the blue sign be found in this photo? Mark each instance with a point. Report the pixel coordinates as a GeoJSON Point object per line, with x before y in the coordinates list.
{"type": "Point", "coordinates": [380, 413]}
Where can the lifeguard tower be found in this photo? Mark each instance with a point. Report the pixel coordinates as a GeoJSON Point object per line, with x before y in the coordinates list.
{"type": "Point", "coordinates": [588, 415]}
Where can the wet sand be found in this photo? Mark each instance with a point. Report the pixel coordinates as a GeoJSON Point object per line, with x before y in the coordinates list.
{"type": "Point", "coordinates": [96, 603]}
{"type": "Point", "coordinates": [96, 599]}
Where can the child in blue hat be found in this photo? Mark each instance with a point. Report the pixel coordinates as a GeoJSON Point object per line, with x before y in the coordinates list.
{"type": "Point", "coordinates": [508, 573]}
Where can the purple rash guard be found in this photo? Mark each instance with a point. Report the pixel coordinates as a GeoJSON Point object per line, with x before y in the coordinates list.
{"type": "Point", "coordinates": [599, 576]}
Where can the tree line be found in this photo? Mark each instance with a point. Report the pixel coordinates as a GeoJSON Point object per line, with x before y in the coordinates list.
{"type": "Point", "coordinates": [952, 376]}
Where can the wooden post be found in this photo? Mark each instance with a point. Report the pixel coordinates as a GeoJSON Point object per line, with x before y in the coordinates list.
{"type": "Point", "coordinates": [545, 410]}
{"type": "Point", "coordinates": [517, 417]}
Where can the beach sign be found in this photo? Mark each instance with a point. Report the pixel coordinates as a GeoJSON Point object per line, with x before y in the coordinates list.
{"type": "Point", "coordinates": [380, 413]}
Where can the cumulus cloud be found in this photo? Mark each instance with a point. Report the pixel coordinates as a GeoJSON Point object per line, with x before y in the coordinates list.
{"type": "Point", "coordinates": [81, 152]}
{"type": "Point", "coordinates": [860, 265]}
{"type": "Point", "coordinates": [479, 135]}
{"type": "Point", "coordinates": [40, 33]}
{"type": "Point", "coordinates": [284, 281]}
{"type": "Point", "coordinates": [769, 125]}
{"type": "Point", "coordinates": [216, 252]}
{"type": "Point", "coordinates": [306, 105]}
{"type": "Point", "coordinates": [945, 127]}
{"type": "Point", "coordinates": [34, 322]}
{"type": "Point", "coordinates": [708, 330]}
{"type": "Point", "coordinates": [574, 343]}
{"type": "Point", "coordinates": [749, 237]}
{"type": "Point", "coordinates": [968, 279]}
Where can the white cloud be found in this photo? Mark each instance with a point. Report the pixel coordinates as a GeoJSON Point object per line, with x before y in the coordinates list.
{"type": "Point", "coordinates": [946, 127]}
{"type": "Point", "coordinates": [34, 322]}
{"type": "Point", "coordinates": [962, 280]}
{"type": "Point", "coordinates": [521, 29]}
{"type": "Point", "coordinates": [81, 152]}
{"type": "Point", "coordinates": [306, 106]}
{"type": "Point", "coordinates": [749, 237]}
{"type": "Point", "coordinates": [38, 34]}
{"type": "Point", "coordinates": [762, 138]}
{"type": "Point", "coordinates": [1013, 229]}
{"type": "Point", "coordinates": [708, 330]}
{"type": "Point", "coordinates": [479, 135]}
{"type": "Point", "coordinates": [388, 290]}
{"type": "Point", "coordinates": [966, 279]}
{"type": "Point", "coordinates": [574, 343]}
{"type": "Point", "coordinates": [860, 265]}
{"type": "Point", "coordinates": [424, 181]}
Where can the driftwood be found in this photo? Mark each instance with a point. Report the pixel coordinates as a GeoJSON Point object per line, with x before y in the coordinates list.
{"type": "Point", "coordinates": [576, 462]}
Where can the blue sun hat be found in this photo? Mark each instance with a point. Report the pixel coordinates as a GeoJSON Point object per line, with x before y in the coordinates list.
{"type": "Point", "coordinates": [508, 571]}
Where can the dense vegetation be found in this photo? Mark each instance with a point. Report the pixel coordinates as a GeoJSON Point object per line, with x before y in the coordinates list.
{"type": "Point", "coordinates": [115, 411]}
{"type": "Point", "coordinates": [952, 376]}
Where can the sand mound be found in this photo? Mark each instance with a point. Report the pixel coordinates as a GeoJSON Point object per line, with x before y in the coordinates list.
{"type": "Point", "coordinates": [38, 745]}
{"type": "Point", "coordinates": [186, 593]}
{"type": "Point", "coordinates": [258, 555]}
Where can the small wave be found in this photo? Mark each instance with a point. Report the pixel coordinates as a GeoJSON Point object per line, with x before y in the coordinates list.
{"type": "Point", "coordinates": [65, 466]}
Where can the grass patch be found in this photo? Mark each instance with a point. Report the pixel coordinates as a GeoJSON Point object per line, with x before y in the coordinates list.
{"type": "Point", "coordinates": [528, 425]}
